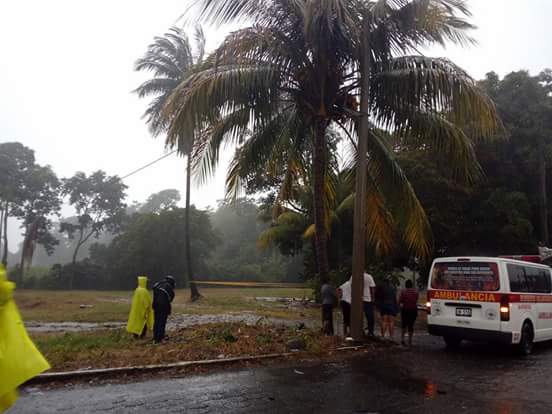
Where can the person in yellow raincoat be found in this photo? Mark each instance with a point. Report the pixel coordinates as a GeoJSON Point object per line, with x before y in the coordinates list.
{"type": "Point", "coordinates": [20, 360]}
{"type": "Point", "coordinates": [141, 313]}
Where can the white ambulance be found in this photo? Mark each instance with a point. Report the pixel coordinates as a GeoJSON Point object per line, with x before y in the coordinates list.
{"type": "Point", "coordinates": [490, 299]}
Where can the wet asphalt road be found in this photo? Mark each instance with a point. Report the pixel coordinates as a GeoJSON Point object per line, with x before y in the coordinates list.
{"type": "Point", "coordinates": [426, 379]}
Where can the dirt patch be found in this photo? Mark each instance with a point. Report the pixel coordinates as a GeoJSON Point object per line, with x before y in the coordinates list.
{"type": "Point", "coordinates": [33, 305]}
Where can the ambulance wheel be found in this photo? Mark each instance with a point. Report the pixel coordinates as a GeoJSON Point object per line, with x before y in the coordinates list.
{"type": "Point", "coordinates": [452, 342]}
{"type": "Point", "coordinates": [526, 342]}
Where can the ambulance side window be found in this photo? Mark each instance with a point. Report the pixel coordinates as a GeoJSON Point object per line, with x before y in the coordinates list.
{"type": "Point", "coordinates": [538, 280]}
{"type": "Point", "coordinates": [516, 275]}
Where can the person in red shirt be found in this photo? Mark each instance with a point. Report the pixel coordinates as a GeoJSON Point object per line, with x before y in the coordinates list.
{"type": "Point", "coordinates": [408, 301]}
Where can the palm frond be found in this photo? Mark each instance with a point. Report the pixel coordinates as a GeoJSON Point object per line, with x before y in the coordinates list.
{"type": "Point", "coordinates": [413, 84]}
{"type": "Point", "coordinates": [424, 22]}
{"type": "Point", "coordinates": [446, 141]}
{"type": "Point", "coordinates": [399, 196]}
{"type": "Point", "coordinates": [200, 42]}
{"type": "Point", "coordinates": [170, 60]}
{"type": "Point", "coordinates": [231, 129]}
{"type": "Point", "coordinates": [206, 94]}
{"type": "Point", "coordinates": [262, 145]}
{"type": "Point", "coordinates": [156, 86]}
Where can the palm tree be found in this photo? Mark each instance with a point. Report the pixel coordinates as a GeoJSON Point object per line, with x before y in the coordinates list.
{"type": "Point", "coordinates": [279, 84]}
{"type": "Point", "coordinates": [171, 60]}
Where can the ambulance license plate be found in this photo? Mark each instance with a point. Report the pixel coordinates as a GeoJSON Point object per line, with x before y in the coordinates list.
{"type": "Point", "coordinates": [464, 312]}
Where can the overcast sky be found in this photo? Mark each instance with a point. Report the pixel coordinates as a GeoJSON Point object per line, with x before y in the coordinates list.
{"type": "Point", "coordinates": [66, 78]}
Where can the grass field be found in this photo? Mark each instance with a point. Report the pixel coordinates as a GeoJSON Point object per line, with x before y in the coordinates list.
{"type": "Point", "coordinates": [103, 306]}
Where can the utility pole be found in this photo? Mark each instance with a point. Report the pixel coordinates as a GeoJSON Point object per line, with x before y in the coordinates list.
{"type": "Point", "coordinates": [359, 221]}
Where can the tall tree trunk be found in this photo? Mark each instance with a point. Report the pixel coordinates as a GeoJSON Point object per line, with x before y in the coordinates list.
{"type": "Point", "coordinates": [543, 205]}
{"type": "Point", "coordinates": [28, 247]}
{"type": "Point", "coordinates": [319, 173]}
{"type": "Point", "coordinates": [74, 259]}
{"type": "Point", "coordinates": [5, 235]}
{"type": "Point", "coordinates": [359, 223]}
{"type": "Point", "coordinates": [23, 253]}
{"type": "Point", "coordinates": [194, 291]}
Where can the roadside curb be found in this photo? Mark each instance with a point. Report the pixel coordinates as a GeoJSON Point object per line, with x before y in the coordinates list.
{"type": "Point", "coordinates": [67, 375]}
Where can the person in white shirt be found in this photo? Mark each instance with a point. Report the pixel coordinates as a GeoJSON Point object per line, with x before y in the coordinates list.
{"type": "Point", "coordinates": [368, 299]}
{"type": "Point", "coordinates": [345, 301]}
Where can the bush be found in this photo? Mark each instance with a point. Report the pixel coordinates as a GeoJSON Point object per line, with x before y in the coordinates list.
{"type": "Point", "coordinates": [85, 274]}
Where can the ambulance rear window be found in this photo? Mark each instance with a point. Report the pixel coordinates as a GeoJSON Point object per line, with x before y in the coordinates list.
{"type": "Point", "coordinates": [474, 276]}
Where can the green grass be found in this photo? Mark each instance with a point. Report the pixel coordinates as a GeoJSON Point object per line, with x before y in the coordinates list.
{"type": "Point", "coordinates": [83, 347]}
{"type": "Point", "coordinates": [81, 342]}
{"type": "Point", "coordinates": [59, 306]}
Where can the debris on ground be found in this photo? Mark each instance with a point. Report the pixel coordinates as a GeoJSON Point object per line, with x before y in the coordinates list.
{"type": "Point", "coordinates": [116, 348]}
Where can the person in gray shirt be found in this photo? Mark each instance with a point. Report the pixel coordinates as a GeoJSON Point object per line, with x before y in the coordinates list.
{"type": "Point", "coordinates": [329, 299]}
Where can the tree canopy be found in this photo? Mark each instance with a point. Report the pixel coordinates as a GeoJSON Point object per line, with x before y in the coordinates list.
{"type": "Point", "coordinates": [276, 86]}
{"type": "Point", "coordinates": [98, 202]}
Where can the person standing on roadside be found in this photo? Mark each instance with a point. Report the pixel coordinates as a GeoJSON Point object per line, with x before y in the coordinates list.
{"type": "Point", "coordinates": [329, 299]}
{"type": "Point", "coordinates": [20, 360]}
{"type": "Point", "coordinates": [163, 295]}
{"type": "Point", "coordinates": [408, 300]}
{"type": "Point", "coordinates": [345, 302]}
{"type": "Point", "coordinates": [368, 297]}
{"type": "Point", "coordinates": [140, 318]}
{"type": "Point", "coordinates": [388, 307]}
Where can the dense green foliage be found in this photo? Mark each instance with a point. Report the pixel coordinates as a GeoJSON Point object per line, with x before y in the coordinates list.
{"type": "Point", "coordinates": [98, 202]}
{"type": "Point", "coordinates": [30, 193]}
{"type": "Point", "coordinates": [499, 214]}
{"type": "Point", "coordinates": [238, 256]}
{"type": "Point", "coordinates": [153, 245]}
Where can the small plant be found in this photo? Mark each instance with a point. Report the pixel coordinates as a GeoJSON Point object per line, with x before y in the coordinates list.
{"type": "Point", "coordinates": [264, 339]}
{"type": "Point", "coordinates": [221, 335]}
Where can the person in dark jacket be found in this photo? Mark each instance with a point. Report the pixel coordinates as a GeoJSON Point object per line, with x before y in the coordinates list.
{"type": "Point", "coordinates": [388, 307]}
{"type": "Point", "coordinates": [329, 299]}
{"type": "Point", "coordinates": [163, 295]}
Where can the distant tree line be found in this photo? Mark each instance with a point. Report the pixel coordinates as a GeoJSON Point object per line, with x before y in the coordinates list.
{"type": "Point", "coordinates": [107, 244]}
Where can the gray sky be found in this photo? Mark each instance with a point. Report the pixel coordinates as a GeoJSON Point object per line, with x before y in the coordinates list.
{"type": "Point", "coordinates": [67, 74]}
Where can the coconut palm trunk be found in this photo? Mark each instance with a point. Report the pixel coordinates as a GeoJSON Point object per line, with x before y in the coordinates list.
{"type": "Point", "coordinates": [319, 176]}
{"type": "Point", "coordinates": [194, 292]}
{"type": "Point", "coordinates": [171, 61]}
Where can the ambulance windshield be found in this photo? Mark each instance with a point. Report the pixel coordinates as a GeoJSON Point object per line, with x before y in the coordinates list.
{"type": "Point", "coordinates": [470, 276]}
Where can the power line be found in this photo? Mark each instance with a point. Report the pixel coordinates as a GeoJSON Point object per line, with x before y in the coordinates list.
{"type": "Point", "coordinates": [148, 165]}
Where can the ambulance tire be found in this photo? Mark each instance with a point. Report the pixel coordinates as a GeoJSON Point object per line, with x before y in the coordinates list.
{"type": "Point", "coordinates": [452, 342]}
{"type": "Point", "coordinates": [527, 336]}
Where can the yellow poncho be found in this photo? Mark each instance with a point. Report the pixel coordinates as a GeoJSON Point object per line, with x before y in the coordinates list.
{"type": "Point", "coordinates": [141, 312]}
{"type": "Point", "coordinates": [19, 358]}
